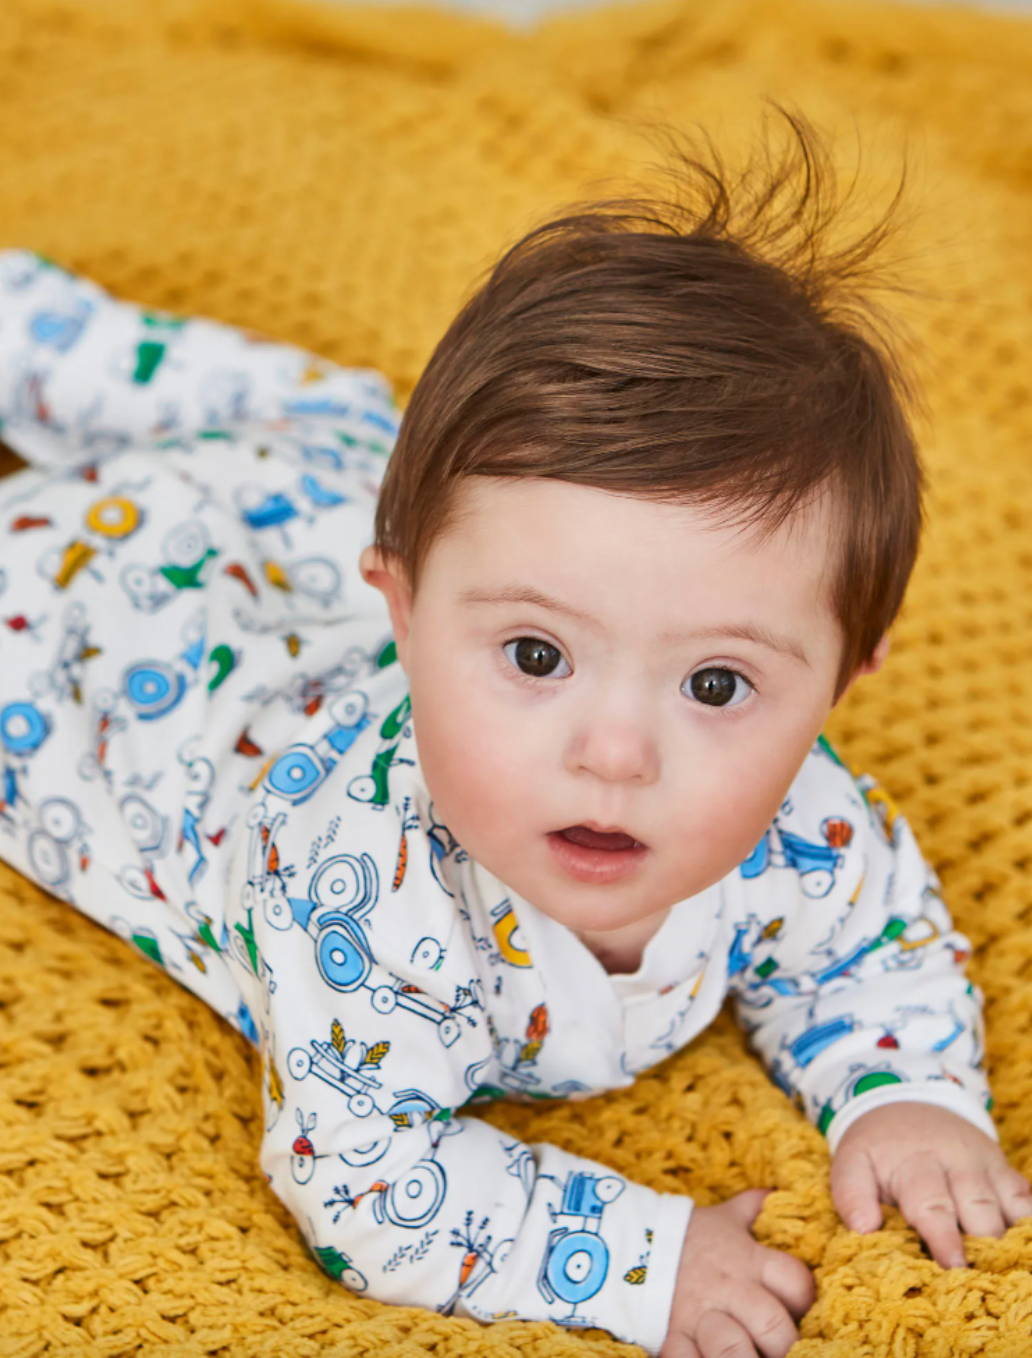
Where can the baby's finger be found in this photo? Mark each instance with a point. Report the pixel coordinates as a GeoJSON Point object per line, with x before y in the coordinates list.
{"type": "Point", "coordinates": [679, 1346]}
{"type": "Point", "coordinates": [764, 1318]}
{"type": "Point", "coordinates": [854, 1190]}
{"type": "Point", "coordinates": [922, 1192]}
{"type": "Point", "coordinates": [788, 1278]}
{"type": "Point", "coordinates": [719, 1336]}
{"type": "Point", "coordinates": [977, 1204]}
{"type": "Point", "coordinates": [1015, 1194]}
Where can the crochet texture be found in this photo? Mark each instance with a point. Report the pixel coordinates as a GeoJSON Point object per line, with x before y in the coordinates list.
{"type": "Point", "coordinates": [339, 178]}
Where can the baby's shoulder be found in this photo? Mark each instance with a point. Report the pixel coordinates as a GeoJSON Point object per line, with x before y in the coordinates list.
{"type": "Point", "coordinates": [825, 783]}
{"type": "Point", "coordinates": [820, 833]}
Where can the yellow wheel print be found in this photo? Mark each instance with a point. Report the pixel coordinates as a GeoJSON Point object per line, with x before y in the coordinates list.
{"type": "Point", "coordinates": [113, 517]}
{"type": "Point", "coordinates": [510, 942]}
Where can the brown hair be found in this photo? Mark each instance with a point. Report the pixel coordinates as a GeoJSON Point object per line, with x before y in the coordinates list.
{"type": "Point", "coordinates": [709, 349]}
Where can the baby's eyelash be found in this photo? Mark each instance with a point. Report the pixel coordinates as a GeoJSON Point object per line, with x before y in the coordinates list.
{"type": "Point", "coordinates": [534, 679]}
{"type": "Point", "coordinates": [706, 695]}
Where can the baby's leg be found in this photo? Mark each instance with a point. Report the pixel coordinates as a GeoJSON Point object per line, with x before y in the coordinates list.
{"type": "Point", "coordinates": [83, 375]}
{"type": "Point", "coordinates": [101, 711]}
{"type": "Point", "coordinates": [291, 447]}
{"type": "Point", "coordinates": [175, 595]}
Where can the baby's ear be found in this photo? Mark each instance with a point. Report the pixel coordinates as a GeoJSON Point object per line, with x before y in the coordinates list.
{"type": "Point", "coordinates": [386, 574]}
{"type": "Point", "coordinates": [877, 658]}
{"type": "Point", "coordinates": [870, 666]}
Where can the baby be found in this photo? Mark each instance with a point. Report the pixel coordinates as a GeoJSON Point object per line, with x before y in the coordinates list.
{"type": "Point", "coordinates": [487, 767]}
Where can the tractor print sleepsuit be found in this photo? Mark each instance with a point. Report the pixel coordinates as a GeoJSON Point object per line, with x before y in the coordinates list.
{"type": "Point", "coordinates": [206, 745]}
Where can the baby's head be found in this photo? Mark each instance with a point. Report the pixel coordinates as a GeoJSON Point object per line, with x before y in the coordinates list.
{"type": "Point", "coordinates": [653, 507]}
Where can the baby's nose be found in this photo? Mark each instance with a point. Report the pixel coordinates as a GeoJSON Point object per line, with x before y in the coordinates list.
{"type": "Point", "coordinates": [615, 751]}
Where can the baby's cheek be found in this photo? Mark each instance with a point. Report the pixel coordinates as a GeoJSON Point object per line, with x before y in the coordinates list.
{"type": "Point", "coordinates": [475, 769]}
{"type": "Point", "coordinates": [724, 822]}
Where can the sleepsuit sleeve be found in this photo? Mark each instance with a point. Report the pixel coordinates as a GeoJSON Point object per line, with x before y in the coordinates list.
{"type": "Point", "coordinates": [374, 1032]}
{"type": "Point", "coordinates": [83, 375]}
{"type": "Point", "coordinates": [846, 970]}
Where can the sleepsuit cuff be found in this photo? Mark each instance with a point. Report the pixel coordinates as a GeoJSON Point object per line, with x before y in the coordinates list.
{"type": "Point", "coordinates": [939, 1093]}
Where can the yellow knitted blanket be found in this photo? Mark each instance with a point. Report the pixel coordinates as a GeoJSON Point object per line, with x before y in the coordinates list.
{"type": "Point", "coordinates": [339, 177]}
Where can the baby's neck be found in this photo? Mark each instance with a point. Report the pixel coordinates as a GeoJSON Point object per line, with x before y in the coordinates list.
{"type": "Point", "coordinates": [620, 950]}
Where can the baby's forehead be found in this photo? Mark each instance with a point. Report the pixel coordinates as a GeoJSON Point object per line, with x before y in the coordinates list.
{"type": "Point", "coordinates": [600, 549]}
{"type": "Point", "coordinates": [498, 516]}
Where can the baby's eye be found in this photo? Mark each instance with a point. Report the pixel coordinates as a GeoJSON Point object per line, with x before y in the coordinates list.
{"type": "Point", "coordinates": [717, 686]}
{"type": "Point", "coordinates": [536, 658]}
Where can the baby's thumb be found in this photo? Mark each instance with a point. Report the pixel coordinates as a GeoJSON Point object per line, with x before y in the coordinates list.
{"type": "Point", "coordinates": [746, 1207]}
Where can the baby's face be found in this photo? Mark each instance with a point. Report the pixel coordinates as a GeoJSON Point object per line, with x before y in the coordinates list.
{"type": "Point", "coordinates": [579, 658]}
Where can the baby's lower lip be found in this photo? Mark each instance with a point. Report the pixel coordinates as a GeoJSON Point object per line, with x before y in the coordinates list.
{"type": "Point", "coordinates": [598, 866]}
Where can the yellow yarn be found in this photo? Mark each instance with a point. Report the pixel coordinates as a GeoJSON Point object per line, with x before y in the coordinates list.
{"type": "Point", "coordinates": [339, 177]}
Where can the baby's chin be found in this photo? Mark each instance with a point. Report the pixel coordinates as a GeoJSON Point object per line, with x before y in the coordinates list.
{"type": "Point", "coordinates": [585, 919]}
{"type": "Point", "coordinates": [599, 907]}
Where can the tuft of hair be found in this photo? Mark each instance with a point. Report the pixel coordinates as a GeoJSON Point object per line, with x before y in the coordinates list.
{"type": "Point", "coordinates": [712, 347]}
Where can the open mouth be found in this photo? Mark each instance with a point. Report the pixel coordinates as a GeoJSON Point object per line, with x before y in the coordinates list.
{"type": "Point", "coordinates": [597, 856]}
{"type": "Point", "coordinates": [611, 840]}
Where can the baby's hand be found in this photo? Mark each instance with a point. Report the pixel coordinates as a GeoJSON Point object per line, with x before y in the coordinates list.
{"type": "Point", "coordinates": [936, 1167]}
{"type": "Point", "coordinates": [733, 1295]}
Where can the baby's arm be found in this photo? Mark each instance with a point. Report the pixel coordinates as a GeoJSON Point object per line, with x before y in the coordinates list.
{"type": "Point", "coordinates": [370, 1048]}
{"type": "Point", "coordinates": [859, 1003]}
{"type": "Point", "coordinates": [83, 375]}
{"type": "Point", "coordinates": [860, 997]}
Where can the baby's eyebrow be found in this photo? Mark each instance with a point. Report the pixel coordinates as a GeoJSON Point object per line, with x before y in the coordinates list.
{"type": "Point", "coordinates": [763, 636]}
{"type": "Point", "coordinates": [527, 594]}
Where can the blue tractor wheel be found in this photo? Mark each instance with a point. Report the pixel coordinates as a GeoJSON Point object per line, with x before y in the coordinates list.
{"type": "Point", "coordinates": [577, 1266]}
{"type": "Point", "coordinates": [296, 774]}
{"type": "Point", "coordinates": [153, 688]}
{"type": "Point", "coordinates": [342, 963]}
{"type": "Point", "coordinates": [23, 728]}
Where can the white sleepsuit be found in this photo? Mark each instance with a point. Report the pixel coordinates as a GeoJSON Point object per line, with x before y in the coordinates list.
{"type": "Point", "coordinates": [205, 744]}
